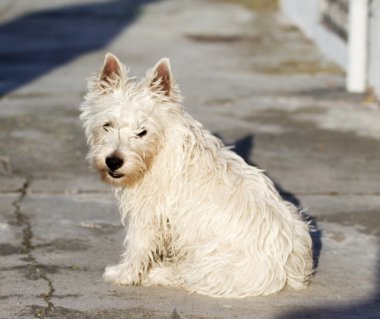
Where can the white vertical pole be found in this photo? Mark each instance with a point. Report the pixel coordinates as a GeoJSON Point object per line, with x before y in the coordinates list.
{"type": "Point", "coordinates": [357, 46]}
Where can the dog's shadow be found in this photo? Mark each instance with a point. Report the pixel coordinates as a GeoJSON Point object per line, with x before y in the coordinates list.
{"type": "Point", "coordinates": [244, 147]}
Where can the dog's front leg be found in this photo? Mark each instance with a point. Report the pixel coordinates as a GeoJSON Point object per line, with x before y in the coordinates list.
{"type": "Point", "coordinates": [140, 246]}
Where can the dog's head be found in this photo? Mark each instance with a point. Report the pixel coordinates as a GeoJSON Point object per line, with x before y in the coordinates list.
{"type": "Point", "coordinates": [125, 120]}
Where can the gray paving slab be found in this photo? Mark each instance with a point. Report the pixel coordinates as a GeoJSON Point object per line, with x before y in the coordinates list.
{"type": "Point", "coordinates": [251, 78]}
{"type": "Point", "coordinates": [11, 235]}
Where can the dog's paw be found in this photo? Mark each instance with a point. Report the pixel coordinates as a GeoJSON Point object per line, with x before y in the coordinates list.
{"type": "Point", "coordinates": [121, 274]}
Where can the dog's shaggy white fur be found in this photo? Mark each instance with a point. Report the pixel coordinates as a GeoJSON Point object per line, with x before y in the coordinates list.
{"type": "Point", "coordinates": [197, 216]}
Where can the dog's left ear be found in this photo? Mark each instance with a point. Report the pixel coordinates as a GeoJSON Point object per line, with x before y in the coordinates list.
{"type": "Point", "coordinates": [111, 72]}
{"type": "Point", "coordinates": [161, 78]}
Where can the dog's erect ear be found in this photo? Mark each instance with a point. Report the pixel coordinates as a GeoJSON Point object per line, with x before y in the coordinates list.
{"type": "Point", "coordinates": [161, 77]}
{"type": "Point", "coordinates": [112, 70]}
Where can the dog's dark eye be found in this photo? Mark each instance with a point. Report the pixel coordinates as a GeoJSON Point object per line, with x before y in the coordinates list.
{"type": "Point", "coordinates": [142, 133]}
{"type": "Point", "coordinates": [107, 126]}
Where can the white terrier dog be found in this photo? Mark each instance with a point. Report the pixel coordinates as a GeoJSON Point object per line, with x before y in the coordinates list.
{"type": "Point", "coordinates": [197, 216]}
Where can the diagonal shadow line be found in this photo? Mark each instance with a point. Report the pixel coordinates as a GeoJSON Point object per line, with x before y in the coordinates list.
{"type": "Point", "coordinates": [36, 43]}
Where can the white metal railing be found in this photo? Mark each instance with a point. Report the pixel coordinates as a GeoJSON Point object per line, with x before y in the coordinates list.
{"type": "Point", "coordinates": [349, 20]}
{"type": "Point", "coordinates": [334, 15]}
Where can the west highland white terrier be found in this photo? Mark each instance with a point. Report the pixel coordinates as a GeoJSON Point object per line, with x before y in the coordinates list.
{"type": "Point", "coordinates": [196, 215]}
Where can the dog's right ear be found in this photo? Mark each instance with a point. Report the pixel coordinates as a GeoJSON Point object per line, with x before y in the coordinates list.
{"type": "Point", "coordinates": [111, 72]}
{"type": "Point", "coordinates": [161, 78]}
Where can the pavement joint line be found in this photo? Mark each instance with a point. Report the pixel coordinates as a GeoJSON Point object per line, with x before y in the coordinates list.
{"type": "Point", "coordinates": [337, 194]}
{"type": "Point", "coordinates": [79, 193]}
{"type": "Point", "coordinates": [84, 192]}
{"type": "Point", "coordinates": [22, 220]}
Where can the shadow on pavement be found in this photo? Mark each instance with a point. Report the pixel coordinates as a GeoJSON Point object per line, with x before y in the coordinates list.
{"type": "Point", "coordinates": [365, 309]}
{"type": "Point", "coordinates": [243, 147]}
{"type": "Point", "coordinates": [38, 42]}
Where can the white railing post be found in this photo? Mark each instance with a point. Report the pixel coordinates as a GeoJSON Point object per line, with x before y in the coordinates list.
{"type": "Point", "coordinates": [357, 46]}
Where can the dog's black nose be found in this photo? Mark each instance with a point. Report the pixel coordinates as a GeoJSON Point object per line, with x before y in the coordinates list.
{"type": "Point", "coordinates": [114, 162]}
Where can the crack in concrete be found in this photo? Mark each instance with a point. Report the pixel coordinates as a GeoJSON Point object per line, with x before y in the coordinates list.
{"type": "Point", "coordinates": [23, 221]}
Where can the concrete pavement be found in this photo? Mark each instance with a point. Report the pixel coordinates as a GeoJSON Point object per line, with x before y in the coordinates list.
{"type": "Point", "coordinates": [249, 77]}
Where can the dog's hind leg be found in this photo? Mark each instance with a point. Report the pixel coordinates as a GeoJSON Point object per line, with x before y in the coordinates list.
{"type": "Point", "coordinates": [299, 266]}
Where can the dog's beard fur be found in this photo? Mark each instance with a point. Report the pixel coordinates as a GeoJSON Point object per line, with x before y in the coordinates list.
{"type": "Point", "coordinates": [136, 164]}
{"type": "Point", "coordinates": [197, 216]}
